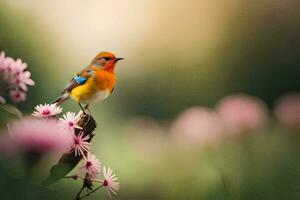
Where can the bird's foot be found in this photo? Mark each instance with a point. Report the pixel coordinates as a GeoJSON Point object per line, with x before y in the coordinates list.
{"type": "Point", "coordinates": [87, 108]}
{"type": "Point", "coordinates": [83, 109]}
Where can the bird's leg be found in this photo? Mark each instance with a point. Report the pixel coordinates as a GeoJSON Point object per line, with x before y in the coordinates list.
{"type": "Point", "coordinates": [82, 108]}
{"type": "Point", "coordinates": [87, 108]}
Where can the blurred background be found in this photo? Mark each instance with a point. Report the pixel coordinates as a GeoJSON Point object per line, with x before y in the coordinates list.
{"type": "Point", "coordinates": [158, 130]}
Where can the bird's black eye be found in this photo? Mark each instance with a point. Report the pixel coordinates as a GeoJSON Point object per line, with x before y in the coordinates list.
{"type": "Point", "coordinates": [107, 58]}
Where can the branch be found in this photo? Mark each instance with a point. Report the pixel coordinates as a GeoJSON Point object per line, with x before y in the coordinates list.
{"type": "Point", "coordinates": [77, 197]}
{"type": "Point", "coordinates": [89, 193]}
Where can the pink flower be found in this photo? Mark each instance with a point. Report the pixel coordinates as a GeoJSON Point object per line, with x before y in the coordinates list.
{"type": "Point", "coordinates": [14, 77]}
{"type": "Point", "coordinates": [19, 67]}
{"type": "Point", "coordinates": [92, 166]}
{"type": "Point", "coordinates": [241, 112]}
{"type": "Point", "coordinates": [197, 125]}
{"type": "Point", "coordinates": [42, 136]}
{"type": "Point", "coordinates": [14, 68]}
{"type": "Point", "coordinates": [109, 183]}
{"type": "Point", "coordinates": [7, 64]}
{"type": "Point", "coordinates": [23, 79]}
{"type": "Point", "coordinates": [70, 121]}
{"type": "Point", "coordinates": [46, 110]}
{"type": "Point", "coordinates": [17, 95]}
{"type": "Point", "coordinates": [6, 70]}
{"type": "Point", "coordinates": [287, 110]}
{"type": "Point", "coordinates": [80, 144]}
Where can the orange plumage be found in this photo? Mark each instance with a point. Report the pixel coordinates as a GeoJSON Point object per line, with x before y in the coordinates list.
{"type": "Point", "coordinates": [93, 83]}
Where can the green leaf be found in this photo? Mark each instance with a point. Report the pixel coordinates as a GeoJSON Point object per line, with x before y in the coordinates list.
{"type": "Point", "coordinates": [12, 110]}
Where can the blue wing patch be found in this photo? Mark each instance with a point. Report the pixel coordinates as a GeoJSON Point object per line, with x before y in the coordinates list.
{"type": "Point", "coordinates": [80, 80]}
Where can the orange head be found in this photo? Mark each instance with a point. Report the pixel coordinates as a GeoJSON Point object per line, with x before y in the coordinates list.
{"type": "Point", "coordinates": [106, 60]}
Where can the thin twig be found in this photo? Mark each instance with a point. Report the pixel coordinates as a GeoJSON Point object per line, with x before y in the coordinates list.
{"type": "Point", "coordinates": [74, 177]}
{"type": "Point", "coordinates": [89, 193]}
{"type": "Point", "coordinates": [77, 197]}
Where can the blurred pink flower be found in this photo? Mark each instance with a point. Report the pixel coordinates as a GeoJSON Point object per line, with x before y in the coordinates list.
{"type": "Point", "coordinates": [42, 136]}
{"type": "Point", "coordinates": [70, 121]}
{"type": "Point", "coordinates": [7, 64]}
{"type": "Point", "coordinates": [19, 67]}
{"type": "Point", "coordinates": [287, 110]}
{"type": "Point", "coordinates": [23, 79]}
{"type": "Point", "coordinates": [197, 125]}
{"type": "Point", "coordinates": [6, 72]}
{"type": "Point", "coordinates": [80, 144]}
{"type": "Point", "coordinates": [241, 112]}
{"type": "Point", "coordinates": [14, 77]}
{"type": "Point", "coordinates": [17, 95]}
{"type": "Point", "coordinates": [109, 183]}
{"type": "Point", "coordinates": [46, 110]}
{"type": "Point", "coordinates": [91, 165]}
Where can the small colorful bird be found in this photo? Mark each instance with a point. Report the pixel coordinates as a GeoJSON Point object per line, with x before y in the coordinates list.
{"type": "Point", "coordinates": [94, 83]}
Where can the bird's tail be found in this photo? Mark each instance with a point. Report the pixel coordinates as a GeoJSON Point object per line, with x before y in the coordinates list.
{"type": "Point", "coordinates": [61, 99]}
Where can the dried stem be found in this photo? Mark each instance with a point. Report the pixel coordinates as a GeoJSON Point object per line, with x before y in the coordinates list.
{"type": "Point", "coordinates": [74, 177]}
{"type": "Point", "coordinates": [89, 193]}
{"type": "Point", "coordinates": [87, 183]}
{"type": "Point", "coordinates": [77, 197]}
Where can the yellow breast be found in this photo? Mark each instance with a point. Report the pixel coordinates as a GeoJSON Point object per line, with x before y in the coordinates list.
{"type": "Point", "coordinates": [96, 88]}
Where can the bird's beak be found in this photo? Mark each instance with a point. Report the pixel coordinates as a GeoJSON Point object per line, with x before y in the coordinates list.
{"type": "Point", "coordinates": [117, 59]}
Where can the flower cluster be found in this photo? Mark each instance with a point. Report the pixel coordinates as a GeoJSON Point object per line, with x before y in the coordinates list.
{"type": "Point", "coordinates": [80, 146]}
{"type": "Point", "coordinates": [234, 114]}
{"type": "Point", "coordinates": [14, 79]}
{"type": "Point", "coordinates": [68, 123]}
{"type": "Point", "coordinates": [91, 168]}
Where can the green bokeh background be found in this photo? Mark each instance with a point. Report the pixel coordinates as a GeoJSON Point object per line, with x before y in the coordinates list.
{"type": "Point", "coordinates": [177, 55]}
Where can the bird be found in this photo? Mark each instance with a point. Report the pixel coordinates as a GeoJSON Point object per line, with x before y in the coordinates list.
{"type": "Point", "coordinates": [93, 83]}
